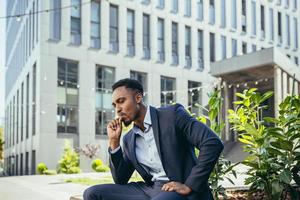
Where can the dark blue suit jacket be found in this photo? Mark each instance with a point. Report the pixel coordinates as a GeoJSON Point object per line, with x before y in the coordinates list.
{"type": "Point", "coordinates": [176, 134]}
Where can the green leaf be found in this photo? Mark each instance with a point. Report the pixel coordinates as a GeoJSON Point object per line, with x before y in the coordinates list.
{"type": "Point", "coordinates": [240, 95]}
{"type": "Point", "coordinates": [250, 129]}
{"type": "Point", "coordinates": [275, 151]}
{"type": "Point", "coordinates": [277, 135]}
{"type": "Point", "coordinates": [245, 141]}
{"type": "Point", "coordinates": [281, 144]}
{"type": "Point", "coordinates": [285, 176]}
{"type": "Point", "coordinates": [271, 120]}
{"type": "Point", "coordinates": [266, 96]}
{"type": "Point", "coordinates": [212, 114]}
{"type": "Point", "coordinates": [238, 102]}
{"type": "Point", "coordinates": [247, 102]}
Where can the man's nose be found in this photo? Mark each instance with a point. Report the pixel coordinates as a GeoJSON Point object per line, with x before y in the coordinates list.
{"type": "Point", "coordinates": [118, 109]}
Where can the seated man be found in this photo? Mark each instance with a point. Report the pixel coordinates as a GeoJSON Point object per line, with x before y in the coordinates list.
{"type": "Point", "coordinates": [160, 147]}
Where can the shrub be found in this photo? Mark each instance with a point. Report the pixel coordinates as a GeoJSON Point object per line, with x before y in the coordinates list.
{"type": "Point", "coordinates": [50, 172]}
{"type": "Point", "coordinates": [274, 158]}
{"type": "Point", "coordinates": [41, 168]}
{"type": "Point", "coordinates": [98, 166]}
{"type": "Point", "coordinates": [69, 163]}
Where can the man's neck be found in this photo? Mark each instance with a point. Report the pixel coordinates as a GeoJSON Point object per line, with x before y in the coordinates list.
{"type": "Point", "coordinates": [140, 120]}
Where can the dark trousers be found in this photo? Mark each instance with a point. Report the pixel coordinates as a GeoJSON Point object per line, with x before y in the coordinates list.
{"type": "Point", "coordinates": [130, 191]}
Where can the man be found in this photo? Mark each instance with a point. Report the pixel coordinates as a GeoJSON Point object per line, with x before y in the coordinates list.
{"type": "Point", "coordinates": [160, 147]}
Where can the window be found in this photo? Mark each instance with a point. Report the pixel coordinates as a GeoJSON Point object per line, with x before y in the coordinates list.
{"type": "Point", "coordinates": [27, 106]}
{"type": "Point", "coordinates": [234, 47]}
{"type": "Point", "coordinates": [223, 14]}
{"type": "Point", "coordinates": [105, 78]}
{"type": "Point", "coordinates": [295, 5]}
{"type": "Point", "coordinates": [187, 8]}
{"type": "Point", "coordinates": [37, 21]}
{"type": "Point", "coordinates": [76, 22]}
{"type": "Point", "coordinates": [296, 61]}
{"type": "Point", "coordinates": [55, 19]}
{"type": "Point", "coordinates": [271, 24]}
{"type": "Point", "coordinates": [212, 46]}
{"type": "Point", "coordinates": [160, 41]}
{"type": "Point", "coordinates": [160, 4]}
{"type": "Point", "coordinates": [168, 94]}
{"type": "Point", "coordinates": [130, 32]}
{"type": "Point", "coordinates": [113, 29]}
{"type": "Point", "coordinates": [223, 43]}
{"type": "Point", "coordinates": [253, 47]}
{"type": "Point", "coordinates": [262, 21]}
{"type": "Point", "coordinates": [296, 33]}
{"type": "Point", "coordinates": [288, 33]}
{"type": "Point", "coordinates": [174, 6]}
{"type": "Point", "coordinates": [146, 2]}
{"type": "Point", "coordinates": [200, 10]}
{"type": "Point", "coordinates": [279, 27]}
{"type": "Point", "coordinates": [244, 47]}
{"type": "Point", "coordinates": [33, 98]}
{"type": "Point", "coordinates": [67, 97]}
{"type": "Point", "coordinates": [22, 109]}
{"type": "Point", "coordinates": [174, 43]}
{"type": "Point", "coordinates": [194, 97]}
{"type": "Point", "coordinates": [27, 163]}
{"type": "Point", "coordinates": [212, 11]}
{"type": "Point", "coordinates": [287, 3]}
{"type": "Point", "coordinates": [17, 117]}
{"type": "Point", "coordinates": [33, 161]}
{"type": "Point", "coordinates": [95, 24]}
{"type": "Point", "coordinates": [17, 164]}
{"type": "Point", "coordinates": [21, 164]}
{"type": "Point", "coordinates": [200, 50]}
{"type": "Point", "coordinates": [233, 14]}
{"type": "Point", "coordinates": [146, 36]}
{"type": "Point", "coordinates": [244, 18]}
{"type": "Point", "coordinates": [14, 120]}
{"type": "Point", "coordinates": [188, 60]}
{"type": "Point", "coordinates": [142, 78]}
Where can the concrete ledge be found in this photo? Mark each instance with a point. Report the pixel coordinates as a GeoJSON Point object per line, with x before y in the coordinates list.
{"type": "Point", "coordinates": [76, 197]}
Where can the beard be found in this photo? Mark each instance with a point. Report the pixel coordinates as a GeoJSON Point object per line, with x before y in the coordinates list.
{"type": "Point", "coordinates": [127, 123]}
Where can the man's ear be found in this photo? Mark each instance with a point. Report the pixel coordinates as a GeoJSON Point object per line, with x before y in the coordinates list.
{"type": "Point", "coordinates": [139, 98]}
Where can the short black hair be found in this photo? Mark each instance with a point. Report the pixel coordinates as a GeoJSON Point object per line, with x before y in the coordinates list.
{"type": "Point", "coordinates": [129, 83]}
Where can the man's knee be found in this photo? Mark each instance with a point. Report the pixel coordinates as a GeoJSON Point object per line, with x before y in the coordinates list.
{"type": "Point", "coordinates": [92, 193]}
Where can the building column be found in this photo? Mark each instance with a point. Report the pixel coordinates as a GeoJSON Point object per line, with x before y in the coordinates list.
{"type": "Point", "coordinates": [284, 84]}
{"type": "Point", "coordinates": [277, 89]}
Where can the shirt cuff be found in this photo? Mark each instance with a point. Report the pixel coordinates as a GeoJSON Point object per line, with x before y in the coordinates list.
{"type": "Point", "coordinates": [115, 150]}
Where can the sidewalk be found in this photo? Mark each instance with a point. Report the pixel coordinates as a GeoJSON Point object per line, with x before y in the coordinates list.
{"type": "Point", "coordinates": [53, 187]}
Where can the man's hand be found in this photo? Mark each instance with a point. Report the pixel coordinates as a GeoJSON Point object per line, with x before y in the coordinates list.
{"type": "Point", "coordinates": [114, 130]}
{"type": "Point", "coordinates": [177, 187]}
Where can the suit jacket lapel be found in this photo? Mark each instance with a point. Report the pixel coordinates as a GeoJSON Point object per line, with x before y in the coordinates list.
{"type": "Point", "coordinates": [132, 152]}
{"type": "Point", "coordinates": [156, 132]}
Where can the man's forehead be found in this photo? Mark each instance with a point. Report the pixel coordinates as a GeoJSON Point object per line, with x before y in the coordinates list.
{"type": "Point", "coordinates": [121, 92]}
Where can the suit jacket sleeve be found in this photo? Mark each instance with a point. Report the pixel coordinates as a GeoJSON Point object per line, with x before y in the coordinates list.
{"type": "Point", "coordinates": [203, 138]}
{"type": "Point", "coordinates": [120, 166]}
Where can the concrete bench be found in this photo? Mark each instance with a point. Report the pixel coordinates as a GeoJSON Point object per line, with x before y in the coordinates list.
{"type": "Point", "coordinates": [76, 197]}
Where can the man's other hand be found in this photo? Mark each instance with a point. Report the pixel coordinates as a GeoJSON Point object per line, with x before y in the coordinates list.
{"type": "Point", "coordinates": [177, 187]}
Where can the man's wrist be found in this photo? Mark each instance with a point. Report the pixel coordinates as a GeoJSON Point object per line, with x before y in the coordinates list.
{"type": "Point", "coordinates": [114, 144]}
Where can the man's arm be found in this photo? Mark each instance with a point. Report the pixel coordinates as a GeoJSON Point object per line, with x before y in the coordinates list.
{"type": "Point", "coordinates": [203, 138]}
{"type": "Point", "coordinates": [120, 166]}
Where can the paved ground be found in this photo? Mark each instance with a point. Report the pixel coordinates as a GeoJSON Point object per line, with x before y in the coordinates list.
{"type": "Point", "coordinates": [54, 188]}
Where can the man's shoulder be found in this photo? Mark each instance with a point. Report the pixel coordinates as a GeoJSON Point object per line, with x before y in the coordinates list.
{"type": "Point", "coordinates": [172, 107]}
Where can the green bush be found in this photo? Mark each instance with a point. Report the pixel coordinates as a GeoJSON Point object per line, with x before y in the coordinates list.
{"type": "Point", "coordinates": [50, 172]}
{"type": "Point", "coordinates": [69, 163]}
{"type": "Point", "coordinates": [274, 159]}
{"type": "Point", "coordinates": [98, 166]}
{"type": "Point", "coordinates": [41, 168]}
